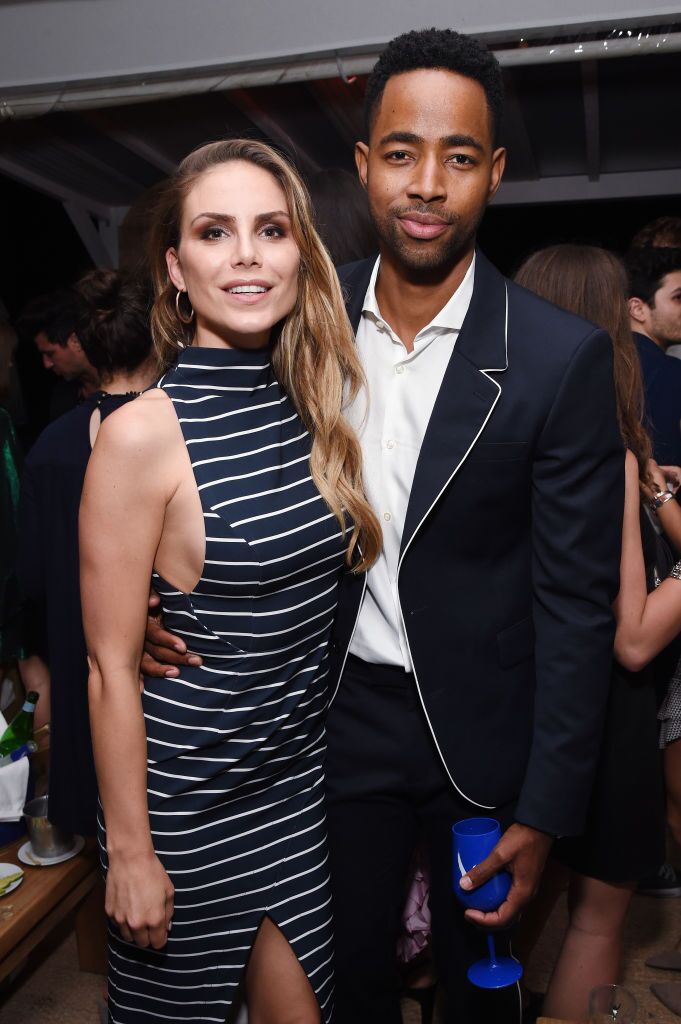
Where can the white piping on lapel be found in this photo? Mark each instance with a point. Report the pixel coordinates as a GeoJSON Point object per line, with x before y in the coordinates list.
{"type": "Point", "coordinates": [501, 369]}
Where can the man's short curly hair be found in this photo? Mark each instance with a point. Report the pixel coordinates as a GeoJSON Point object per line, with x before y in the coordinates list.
{"type": "Point", "coordinates": [646, 269]}
{"type": "Point", "coordinates": [436, 48]}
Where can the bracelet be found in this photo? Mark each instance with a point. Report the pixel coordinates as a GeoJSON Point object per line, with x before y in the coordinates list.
{"type": "Point", "coordinates": [660, 499]}
{"type": "Point", "coordinates": [675, 571]}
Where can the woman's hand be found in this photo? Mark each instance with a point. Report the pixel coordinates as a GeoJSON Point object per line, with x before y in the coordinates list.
{"type": "Point", "coordinates": [140, 898]}
{"type": "Point", "coordinates": [672, 477]}
{"type": "Point", "coordinates": [656, 480]}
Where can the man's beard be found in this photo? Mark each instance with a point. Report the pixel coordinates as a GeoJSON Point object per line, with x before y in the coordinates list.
{"type": "Point", "coordinates": [668, 333]}
{"type": "Point", "coordinates": [425, 257]}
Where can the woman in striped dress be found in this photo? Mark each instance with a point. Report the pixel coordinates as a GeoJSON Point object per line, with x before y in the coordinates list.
{"type": "Point", "coordinates": [237, 484]}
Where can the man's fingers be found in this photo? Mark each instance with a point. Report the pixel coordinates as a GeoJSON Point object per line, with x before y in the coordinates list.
{"type": "Point", "coordinates": [495, 920]}
{"type": "Point", "coordinates": [125, 933]}
{"type": "Point", "coordinates": [151, 667]}
{"type": "Point", "coordinates": [157, 636]}
{"type": "Point", "coordinates": [167, 656]}
{"type": "Point", "coordinates": [519, 895]}
{"type": "Point", "coordinates": [483, 871]}
{"type": "Point", "coordinates": [154, 601]}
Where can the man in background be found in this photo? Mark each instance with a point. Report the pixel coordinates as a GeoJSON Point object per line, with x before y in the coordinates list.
{"type": "Point", "coordinates": [50, 323]}
{"type": "Point", "coordinates": [655, 317]}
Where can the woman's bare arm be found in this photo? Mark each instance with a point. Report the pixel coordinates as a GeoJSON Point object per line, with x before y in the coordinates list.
{"type": "Point", "coordinates": [646, 623]}
{"type": "Point", "coordinates": [126, 492]}
{"type": "Point", "coordinates": [669, 514]}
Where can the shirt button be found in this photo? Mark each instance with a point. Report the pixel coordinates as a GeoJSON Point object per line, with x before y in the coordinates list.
{"type": "Point", "coordinates": [387, 517]}
{"type": "Point", "coordinates": [399, 369]}
{"type": "Point", "coordinates": [390, 444]}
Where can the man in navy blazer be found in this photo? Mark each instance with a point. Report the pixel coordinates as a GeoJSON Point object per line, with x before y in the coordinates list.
{"type": "Point", "coordinates": [655, 315]}
{"type": "Point", "coordinates": [470, 666]}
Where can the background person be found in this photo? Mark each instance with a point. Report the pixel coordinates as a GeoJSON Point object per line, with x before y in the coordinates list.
{"type": "Point", "coordinates": [624, 836]}
{"type": "Point", "coordinates": [112, 321]}
{"type": "Point", "coordinates": [49, 322]}
{"type": "Point", "coordinates": [663, 232]}
{"type": "Point", "coordinates": [654, 291]}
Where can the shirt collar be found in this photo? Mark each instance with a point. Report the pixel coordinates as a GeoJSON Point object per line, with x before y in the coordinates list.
{"type": "Point", "coordinates": [452, 314]}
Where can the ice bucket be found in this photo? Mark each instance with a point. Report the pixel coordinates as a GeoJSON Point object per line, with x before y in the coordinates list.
{"type": "Point", "coordinates": [46, 839]}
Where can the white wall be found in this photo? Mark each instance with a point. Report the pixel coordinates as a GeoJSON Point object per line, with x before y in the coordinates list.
{"type": "Point", "coordinates": [46, 43]}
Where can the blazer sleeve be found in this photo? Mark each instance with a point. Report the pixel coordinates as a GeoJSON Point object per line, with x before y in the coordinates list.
{"type": "Point", "coordinates": [577, 509]}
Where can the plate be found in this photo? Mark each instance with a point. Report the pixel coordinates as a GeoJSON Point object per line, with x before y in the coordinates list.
{"type": "Point", "coordinates": [27, 856]}
{"type": "Point", "coordinates": [11, 869]}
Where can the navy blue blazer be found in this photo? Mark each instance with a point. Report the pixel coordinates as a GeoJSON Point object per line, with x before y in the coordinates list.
{"type": "Point", "coordinates": [510, 555]}
{"type": "Point", "coordinates": [662, 387]}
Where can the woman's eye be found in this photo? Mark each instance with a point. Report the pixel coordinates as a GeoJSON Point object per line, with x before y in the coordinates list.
{"type": "Point", "coordinates": [273, 231]}
{"type": "Point", "coordinates": [213, 233]}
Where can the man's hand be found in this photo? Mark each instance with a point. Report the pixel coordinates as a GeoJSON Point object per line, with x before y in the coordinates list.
{"type": "Point", "coordinates": [163, 651]}
{"type": "Point", "coordinates": [522, 851]}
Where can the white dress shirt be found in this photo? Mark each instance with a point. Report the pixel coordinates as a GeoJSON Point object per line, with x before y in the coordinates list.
{"type": "Point", "coordinates": [391, 424]}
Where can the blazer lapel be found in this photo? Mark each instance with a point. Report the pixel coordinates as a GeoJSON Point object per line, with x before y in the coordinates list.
{"type": "Point", "coordinates": [466, 398]}
{"type": "Point", "coordinates": [354, 279]}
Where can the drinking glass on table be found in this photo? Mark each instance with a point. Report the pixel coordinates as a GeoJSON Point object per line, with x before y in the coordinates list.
{"type": "Point", "coordinates": [609, 1003]}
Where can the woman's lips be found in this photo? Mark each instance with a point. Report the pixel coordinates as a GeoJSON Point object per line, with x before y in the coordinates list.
{"type": "Point", "coordinates": [423, 228]}
{"type": "Point", "coordinates": [247, 298]}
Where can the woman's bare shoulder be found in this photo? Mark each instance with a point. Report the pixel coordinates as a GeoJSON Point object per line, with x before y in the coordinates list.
{"type": "Point", "coordinates": [147, 425]}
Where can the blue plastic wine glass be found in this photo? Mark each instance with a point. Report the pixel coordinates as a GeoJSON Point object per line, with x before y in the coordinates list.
{"type": "Point", "coordinates": [474, 839]}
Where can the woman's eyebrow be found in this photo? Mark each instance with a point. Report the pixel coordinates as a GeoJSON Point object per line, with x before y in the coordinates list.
{"type": "Point", "coordinates": [230, 217]}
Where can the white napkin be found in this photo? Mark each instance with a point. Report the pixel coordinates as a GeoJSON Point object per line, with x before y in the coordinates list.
{"type": "Point", "coordinates": [13, 785]}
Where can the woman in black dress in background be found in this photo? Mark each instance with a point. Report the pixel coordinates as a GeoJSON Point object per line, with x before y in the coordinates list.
{"type": "Point", "coordinates": [624, 834]}
{"type": "Point", "coordinates": [113, 328]}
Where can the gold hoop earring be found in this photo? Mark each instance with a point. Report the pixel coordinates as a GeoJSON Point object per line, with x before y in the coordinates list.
{"type": "Point", "coordinates": [180, 317]}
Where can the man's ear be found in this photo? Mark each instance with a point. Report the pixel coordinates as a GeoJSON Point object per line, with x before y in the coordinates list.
{"type": "Point", "coordinates": [638, 310]}
{"type": "Point", "coordinates": [498, 165]}
{"type": "Point", "coordinates": [73, 343]}
{"type": "Point", "coordinates": [175, 270]}
{"type": "Point", "coordinates": [362, 161]}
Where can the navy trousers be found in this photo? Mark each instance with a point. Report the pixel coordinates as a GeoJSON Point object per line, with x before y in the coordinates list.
{"type": "Point", "coordinates": [387, 791]}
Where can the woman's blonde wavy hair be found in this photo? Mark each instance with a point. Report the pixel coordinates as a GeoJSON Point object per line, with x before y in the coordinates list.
{"type": "Point", "coordinates": [313, 354]}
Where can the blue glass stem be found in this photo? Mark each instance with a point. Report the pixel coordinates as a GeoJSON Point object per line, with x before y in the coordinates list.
{"type": "Point", "coordinates": [492, 950]}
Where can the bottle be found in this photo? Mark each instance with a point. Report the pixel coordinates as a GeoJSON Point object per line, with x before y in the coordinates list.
{"type": "Point", "coordinates": [23, 751]}
{"type": "Point", "coordinates": [20, 729]}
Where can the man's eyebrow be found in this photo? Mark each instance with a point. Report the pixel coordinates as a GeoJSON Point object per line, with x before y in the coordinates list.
{"type": "Point", "coordinates": [461, 140]}
{"type": "Point", "coordinates": [409, 137]}
{"type": "Point", "coordinates": [229, 218]}
{"type": "Point", "coordinates": [446, 140]}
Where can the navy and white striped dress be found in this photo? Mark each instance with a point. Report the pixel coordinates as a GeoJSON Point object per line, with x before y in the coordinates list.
{"type": "Point", "coordinates": [236, 746]}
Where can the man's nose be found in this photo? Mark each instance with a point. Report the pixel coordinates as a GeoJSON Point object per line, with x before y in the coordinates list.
{"type": "Point", "coordinates": [428, 182]}
{"type": "Point", "coordinates": [47, 362]}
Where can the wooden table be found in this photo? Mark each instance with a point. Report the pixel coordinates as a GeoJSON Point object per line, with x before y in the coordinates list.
{"type": "Point", "coordinates": [44, 898]}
